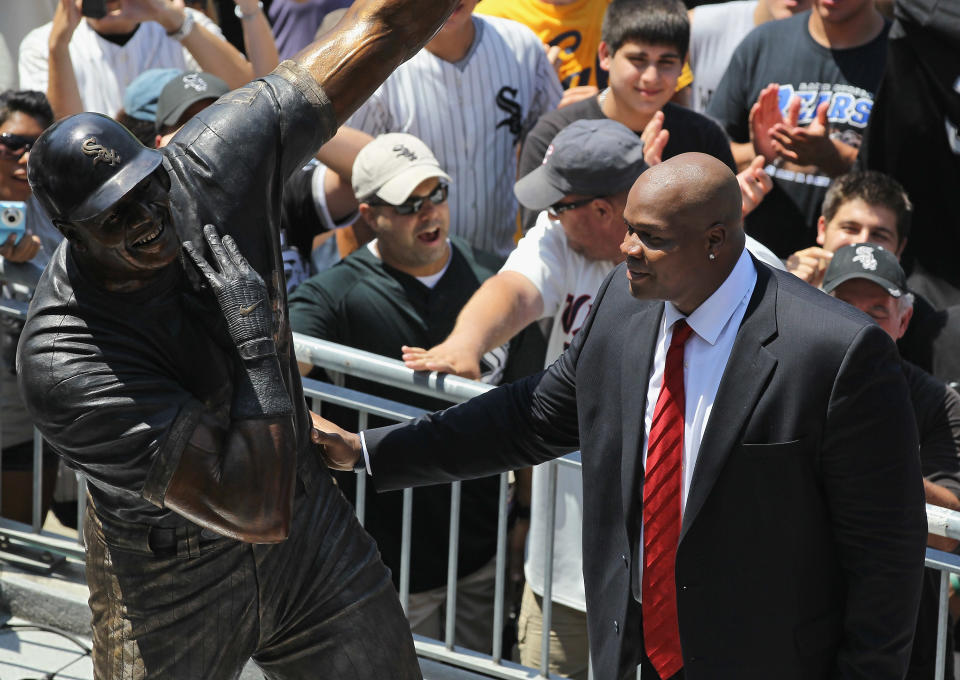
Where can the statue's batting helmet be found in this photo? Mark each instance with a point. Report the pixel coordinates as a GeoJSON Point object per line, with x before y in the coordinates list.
{"type": "Point", "coordinates": [82, 165]}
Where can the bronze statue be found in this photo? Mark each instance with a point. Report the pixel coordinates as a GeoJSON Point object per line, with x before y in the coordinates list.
{"type": "Point", "coordinates": [214, 531]}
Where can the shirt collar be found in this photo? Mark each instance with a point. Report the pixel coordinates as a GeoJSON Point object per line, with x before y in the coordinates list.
{"type": "Point", "coordinates": [709, 319]}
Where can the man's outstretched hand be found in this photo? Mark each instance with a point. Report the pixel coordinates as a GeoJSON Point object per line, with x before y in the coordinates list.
{"type": "Point", "coordinates": [341, 450]}
{"type": "Point", "coordinates": [447, 357]}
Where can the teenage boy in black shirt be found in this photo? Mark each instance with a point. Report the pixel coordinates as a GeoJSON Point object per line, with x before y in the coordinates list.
{"type": "Point", "coordinates": [643, 48]}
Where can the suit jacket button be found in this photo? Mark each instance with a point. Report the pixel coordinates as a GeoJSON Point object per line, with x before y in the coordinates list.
{"type": "Point", "coordinates": [626, 562]}
{"type": "Point", "coordinates": [616, 627]}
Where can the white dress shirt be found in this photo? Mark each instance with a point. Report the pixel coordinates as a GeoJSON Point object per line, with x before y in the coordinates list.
{"type": "Point", "coordinates": [715, 324]}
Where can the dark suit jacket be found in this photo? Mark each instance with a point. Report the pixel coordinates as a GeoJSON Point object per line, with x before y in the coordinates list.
{"type": "Point", "coordinates": [802, 545]}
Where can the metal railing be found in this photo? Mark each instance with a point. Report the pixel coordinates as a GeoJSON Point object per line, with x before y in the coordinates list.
{"type": "Point", "coordinates": [340, 359]}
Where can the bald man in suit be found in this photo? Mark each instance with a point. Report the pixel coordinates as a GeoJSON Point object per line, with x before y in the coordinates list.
{"type": "Point", "coordinates": [737, 426]}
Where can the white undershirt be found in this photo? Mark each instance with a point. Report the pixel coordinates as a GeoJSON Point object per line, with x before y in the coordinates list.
{"type": "Point", "coordinates": [429, 281]}
{"type": "Point", "coordinates": [715, 324]}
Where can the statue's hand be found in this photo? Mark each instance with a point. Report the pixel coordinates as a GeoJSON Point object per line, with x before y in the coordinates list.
{"type": "Point", "coordinates": [240, 292]}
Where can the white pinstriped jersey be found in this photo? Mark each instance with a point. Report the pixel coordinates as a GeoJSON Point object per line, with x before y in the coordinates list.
{"type": "Point", "coordinates": [471, 114]}
{"type": "Point", "coordinates": [104, 69]}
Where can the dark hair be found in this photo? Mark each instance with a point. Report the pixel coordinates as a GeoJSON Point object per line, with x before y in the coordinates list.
{"type": "Point", "coordinates": [873, 188]}
{"type": "Point", "coordinates": [144, 130]}
{"type": "Point", "coordinates": [30, 102]}
{"type": "Point", "coordinates": [657, 22]}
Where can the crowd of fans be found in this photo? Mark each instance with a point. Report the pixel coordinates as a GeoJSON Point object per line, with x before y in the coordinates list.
{"type": "Point", "coordinates": [465, 216]}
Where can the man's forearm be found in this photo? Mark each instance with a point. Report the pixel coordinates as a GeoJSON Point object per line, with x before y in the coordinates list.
{"type": "Point", "coordinates": [372, 39]}
{"type": "Point", "coordinates": [503, 306]}
{"type": "Point", "coordinates": [258, 40]}
{"type": "Point", "coordinates": [218, 57]}
{"type": "Point", "coordinates": [842, 160]}
{"type": "Point", "coordinates": [63, 92]}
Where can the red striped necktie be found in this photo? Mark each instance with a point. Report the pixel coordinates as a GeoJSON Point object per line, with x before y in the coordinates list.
{"type": "Point", "coordinates": [661, 514]}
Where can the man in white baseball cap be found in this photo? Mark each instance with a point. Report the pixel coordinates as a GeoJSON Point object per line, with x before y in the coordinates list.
{"type": "Point", "coordinates": [409, 284]}
{"type": "Point", "coordinates": [402, 192]}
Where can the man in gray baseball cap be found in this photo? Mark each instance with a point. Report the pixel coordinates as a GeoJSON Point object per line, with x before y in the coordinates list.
{"type": "Point", "coordinates": [184, 96]}
{"type": "Point", "coordinates": [580, 191]}
{"type": "Point", "coordinates": [588, 158]}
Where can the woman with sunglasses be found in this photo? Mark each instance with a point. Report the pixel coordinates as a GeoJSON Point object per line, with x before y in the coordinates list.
{"type": "Point", "coordinates": [23, 116]}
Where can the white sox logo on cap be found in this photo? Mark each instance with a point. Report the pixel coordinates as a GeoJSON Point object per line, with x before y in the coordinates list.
{"type": "Point", "coordinates": [866, 258]}
{"type": "Point", "coordinates": [99, 153]}
{"type": "Point", "coordinates": [404, 152]}
{"type": "Point", "coordinates": [193, 80]}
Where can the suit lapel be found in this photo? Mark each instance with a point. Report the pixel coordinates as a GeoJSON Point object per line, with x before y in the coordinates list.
{"type": "Point", "coordinates": [744, 379]}
{"type": "Point", "coordinates": [638, 352]}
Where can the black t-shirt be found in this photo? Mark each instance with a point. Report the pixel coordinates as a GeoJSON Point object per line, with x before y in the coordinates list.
{"type": "Point", "coordinates": [913, 136]}
{"type": "Point", "coordinates": [116, 383]}
{"type": "Point", "coordinates": [364, 303]}
{"type": "Point", "coordinates": [689, 131]}
{"type": "Point", "coordinates": [784, 52]}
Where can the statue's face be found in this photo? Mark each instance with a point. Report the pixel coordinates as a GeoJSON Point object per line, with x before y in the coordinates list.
{"type": "Point", "coordinates": [134, 238]}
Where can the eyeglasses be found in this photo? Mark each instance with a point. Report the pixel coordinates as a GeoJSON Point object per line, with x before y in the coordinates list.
{"type": "Point", "coordinates": [558, 209]}
{"type": "Point", "coordinates": [413, 205]}
{"type": "Point", "coordinates": [12, 147]}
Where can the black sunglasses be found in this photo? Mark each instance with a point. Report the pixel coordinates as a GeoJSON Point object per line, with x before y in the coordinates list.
{"type": "Point", "coordinates": [12, 146]}
{"type": "Point", "coordinates": [413, 205]}
{"type": "Point", "coordinates": [558, 209]}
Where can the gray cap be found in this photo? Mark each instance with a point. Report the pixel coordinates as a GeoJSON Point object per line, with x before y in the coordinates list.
{"type": "Point", "coordinates": [392, 166]}
{"type": "Point", "coordinates": [184, 91]}
{"type": "Point", "coordinates": [865, 261]}
{"type": "Point", "coordinates": [588, 157]}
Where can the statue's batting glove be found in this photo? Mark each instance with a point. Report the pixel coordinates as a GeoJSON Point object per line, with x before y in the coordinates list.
{"type": "Point", "coordinates": [259, 390]}
{"type": "Point", "coordinates": [241, 294]}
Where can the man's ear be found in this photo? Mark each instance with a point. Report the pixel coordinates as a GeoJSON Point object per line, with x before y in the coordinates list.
{"type": "Point", "coordinates": [603, 51]}
{"type": "Point", "coordinates": [368, 214]}
{"type": "Point", "coordinates": [900, 247]}
{"type": "Point", "coordinates": [905, 321]}
{"type": "Point", "coordinates": [821, 231]}
{"type": "Point", "coordinates": [716, 237]}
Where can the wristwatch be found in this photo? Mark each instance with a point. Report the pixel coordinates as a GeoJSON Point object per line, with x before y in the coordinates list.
{"type": "Point", "coordinates": [240, 15]}
{"type": "Point", "coordinates": [184, 29]}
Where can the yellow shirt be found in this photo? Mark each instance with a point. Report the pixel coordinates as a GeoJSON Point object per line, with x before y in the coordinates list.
{"type": "Point", "coordinates": [574, 27]}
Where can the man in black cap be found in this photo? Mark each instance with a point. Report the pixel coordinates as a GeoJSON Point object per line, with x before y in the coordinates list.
{"type": "Point", "coordinates": [172, 386]}
{"type": "Point", "coordinates": [870, 278]}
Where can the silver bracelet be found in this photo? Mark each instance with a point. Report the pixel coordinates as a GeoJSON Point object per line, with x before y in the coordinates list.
{"type": "Point", "coordinates": [240, 15]}
{"type": "Point", "coordinates": [185, 27]}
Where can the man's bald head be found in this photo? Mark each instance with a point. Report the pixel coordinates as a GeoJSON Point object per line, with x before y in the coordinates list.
{"type": "Point", "coordinates": [695, 184]}
{"type": "Point", "coordinates": [685, 230]}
